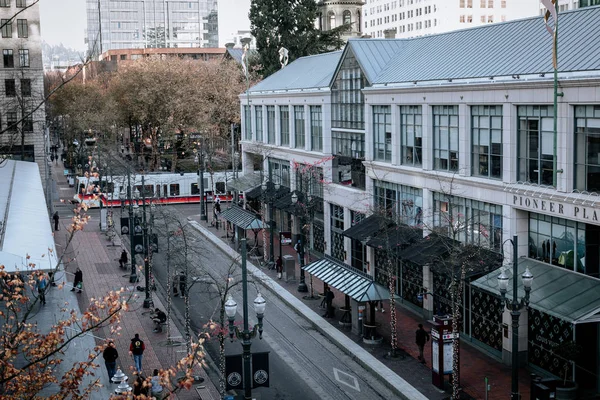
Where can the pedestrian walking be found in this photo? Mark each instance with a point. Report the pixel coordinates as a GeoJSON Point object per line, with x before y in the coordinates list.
{"type": "Point", "coordinates": [56, 218]}
{"type": "Point", "coordinates": [123, 259]}
{"type": "Point", "coordinates": [175, 285]}
{"type": "Point", "coordinates": [300, 251]}
{"type": "Point", "coordinates": [42, 283]}
{"type": "Point", "coordinates": [157, 390]}
{"type": "Point", "coordinates": [78, 281]}
{"type": "Point", "coordinates": [182, 284]}
{"type": "Point", "coordinates": [422, 337]}
{"type": "Point", "coordinates": [136, 349]}
{"type": "Point", "coordinates": [329, 296]}
{"type": "Point", "coordinates": [110, 355]}
{"type": "Point", "coordinates": [279, 267]}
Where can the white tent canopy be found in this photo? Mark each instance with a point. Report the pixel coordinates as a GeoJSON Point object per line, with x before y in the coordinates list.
{"type": "Point", "coordinates": [25, 228]}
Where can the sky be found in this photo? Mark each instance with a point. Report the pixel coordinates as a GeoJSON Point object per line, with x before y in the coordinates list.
{"type": "Point", "coordinates": [63, 21]}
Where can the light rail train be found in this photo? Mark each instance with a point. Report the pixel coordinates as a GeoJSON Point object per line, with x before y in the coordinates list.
{"type": "Point", "coordinates": [160, 188]}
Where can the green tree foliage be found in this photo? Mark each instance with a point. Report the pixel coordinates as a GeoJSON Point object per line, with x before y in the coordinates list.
{"type": "Point", "coordinates": [289, 24]}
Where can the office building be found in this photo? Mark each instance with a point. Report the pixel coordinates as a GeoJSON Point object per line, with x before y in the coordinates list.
{"type": "Point", "coordinates": [135, 24]}
{"type": "Point", "coordinates": [23, 84]}
{"type": "Point", "coordinates": [450, 135]}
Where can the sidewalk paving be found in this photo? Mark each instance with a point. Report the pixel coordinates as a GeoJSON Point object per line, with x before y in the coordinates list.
{"type": "Point", "coordinates": [475, 365]}
{"type": "Point", "coordinates": [93, 253]}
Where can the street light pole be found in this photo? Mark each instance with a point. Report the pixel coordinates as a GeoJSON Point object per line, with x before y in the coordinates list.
{"type": "Point", "coordinates": [302, 288]}
{"type": "Point", "coordinates": [203, 216]}
{"type": "Point", "coordinates": [515, 307]}
{"type": "Point", "coordinates": [133, 277]}
{"type": "Point", "coordinates": [246, 335]}
{"type": "Point", "coordinates": [148, 303]}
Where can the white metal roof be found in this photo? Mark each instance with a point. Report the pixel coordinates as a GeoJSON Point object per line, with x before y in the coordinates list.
{"type": "Point", "coordinates": [26, 228]}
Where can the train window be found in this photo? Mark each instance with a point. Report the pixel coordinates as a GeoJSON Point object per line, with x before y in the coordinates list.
{"type": "Point", "coordinates": [195, 189]}
{"type": "Point", "coordinates": [157, 190]}
{"type": "Point", "coordinates": [107, 187]}
{"type": "Point", "coordinates": [220, 187]}
{"type": "Point", "coordinates": [148, 191]}
{"type": "Point", "coordinates": [165, 193]}
{"type": "Point", "coordinates": [174, 189]}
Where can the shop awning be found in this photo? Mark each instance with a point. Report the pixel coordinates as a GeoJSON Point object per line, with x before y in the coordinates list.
{"type": "Point", "coordinates": [244, 182]}
{"type": "Point", "coordinates": [350, 281]}
{"type": "Point", "coordinates": [367, 228]}
{"type": "Point", "coordinates": [428, 250]}
{"type": "Point", "coordinates": [556, 291]}
{"type": "Point", "coordinates": [396, 237]}
{"type": "Point", "coordinates": [242, 218]}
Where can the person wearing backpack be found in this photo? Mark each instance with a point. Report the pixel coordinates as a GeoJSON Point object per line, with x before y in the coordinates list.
{"type": "Point", "coordinates": [421, 338]}
{"type": "Point", "coordinates": [41, 287]}
{"type": "Point", "coordinates": [136, 349]}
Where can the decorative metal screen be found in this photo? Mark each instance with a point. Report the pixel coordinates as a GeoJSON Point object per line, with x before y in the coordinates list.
{"type": "Point", "coordinates": [486, 318]}
{"type": "Point", "coordinates": [412, 282]}
{"type": "Point", "coordinates": [546, 334]}
{"type": "Point", "coordinates": [319, 235]}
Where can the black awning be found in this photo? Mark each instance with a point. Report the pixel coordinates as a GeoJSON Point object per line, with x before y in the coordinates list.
{"type": "Point", "coordinates": [254, 193]}
{"type": "Point", "coordinates": [244, 182]}
{"type": "Point", "coordinates": [396, 237]}
{"type": "Point", "coordinates": [367, 228]}
{"type": "Point", "coordinates": [242, 218]}
{"type": "Point", "coordinates": [430, 249]}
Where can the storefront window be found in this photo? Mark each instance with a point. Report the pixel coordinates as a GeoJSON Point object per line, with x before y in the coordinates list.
{"type": "Point", "coordinates": [349, 153]}
{"type": "Point", "coordinates": [536, 144]}
{"type": "Point", "coordinates": [280, 172]}
{"type": "Point", "coordinates": [359, 251]}
{"type": "Point", "coordinates": [486, 130]}
{"type": "Point", "coordinates": [403, 204]}
{"type": "Point", "coordinates": [587, 148]}
{"type": "Point", "coordinates": [469, 221]}
{"type": "Point", "coordinates": [557, 241]}
{"type": "Point", "coordinates": [337, 227]}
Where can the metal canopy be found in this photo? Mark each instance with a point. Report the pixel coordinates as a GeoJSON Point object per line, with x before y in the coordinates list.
{"type": "Point", "coordinates": [568, 295]}
{"type": "Point", "coordinates": [242, 218]}
{"type": "Point", "coordinates": [396, 237]}
{"type": "Point", "coordinates": [428, 250]}
{"type": "Point", "coordinates": [367, 228]}
{"type": "Point", "coordinates": [244, 182]}
{"type": "Point", "coordinates": [350, 281]}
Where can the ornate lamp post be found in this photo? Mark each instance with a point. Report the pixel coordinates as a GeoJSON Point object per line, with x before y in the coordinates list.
{"type": "Point", "coordinates": [148, 303]}
{"type": "Point", "coordinates": [133, 277]}
{"type": "Point", "coordinates": [246, 334]}
{"type": "Point", "coordinates": [515, 307]}
{"type": "Point", "coordinates": [306, 208]}
{"type": "Point", "coordinates": [269, 198]}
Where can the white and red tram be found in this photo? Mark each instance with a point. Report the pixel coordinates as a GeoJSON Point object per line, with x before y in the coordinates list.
{"type": "Point", "coordinates": [160, 188]}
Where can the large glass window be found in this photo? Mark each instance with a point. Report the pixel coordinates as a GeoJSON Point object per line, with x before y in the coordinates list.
{"type": "Point", "coordinates": [486, 130]}
{"type": "Point", "coordinates": [536, 144]}
{"type": "Point", "coordinates": [557, 241]}
{"type": "Point", "coordinates": [382, 133]}
{"type": "Point", "coordinates": [11, 121]}
{"type": "Point", "coordinates": [309, 179]}
{"type": "Point", "coordinates": [587, 148]}
{"type": "Point", "coordinates": [411, 141]}
{"type": "Point", "coordinates": [259, 123]}
{"type": "Point", "coordinates": [358, 257]}
{"type": "Point", "coordinates": [445, 138]}
{"type": "Point", "coordinates": [349, 152]}
{"type": "Point", "coordinates": [347, 97]}
{"type": "Point", "coordinates": [284, 129]}
{"type": "Point", "coordinates": [25, 87]}
{"type": "Point", "coordinates": [6, 28]}
{"type": "Point", "coordinates": [402, 204]}
{"type": "Point", "coordinates": [337, 227]}
{"type": "Point", "coordinates": [27, 123]}
{"type": "Point", "coordinates": [299, 127]}
{"type": "Point", "coordinates": [247, 123]}
{"type": "Point", "coordinates": [279, 171]}
{"type": "Point", "coordinates": [271, 124]}
{"type": "Point", "coordinates": [24, 58]}
{"type": "Point", "coordinates": [9, 61]}
{"type": "Point", "coordinates": [469, 221]}
{"type": "Point", "coordinates": [10, 88]}
{"type": "Point", "coordinates": [316, 128]}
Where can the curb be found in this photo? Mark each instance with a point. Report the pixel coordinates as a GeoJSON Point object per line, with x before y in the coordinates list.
{"type": "Point", "coordinates": [385, 375]}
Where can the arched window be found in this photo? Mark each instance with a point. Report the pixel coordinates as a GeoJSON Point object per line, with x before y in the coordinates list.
{"type": "Point", "coordinates": [347, 16]}
{"type": "Point", "coordinates": [331, 20]}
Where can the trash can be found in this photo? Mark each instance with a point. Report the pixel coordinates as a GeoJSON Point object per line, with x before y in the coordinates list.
{"type": "Point", "coordinates": [289, 268]}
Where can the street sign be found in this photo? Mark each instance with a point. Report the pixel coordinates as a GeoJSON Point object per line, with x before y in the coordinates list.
{"type": "Point", "coordinates": [286, 237]}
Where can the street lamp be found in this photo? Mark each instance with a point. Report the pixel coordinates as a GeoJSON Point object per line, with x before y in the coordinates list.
{"type": "Point", "coordinates": [269, 197]}
{"type": "Point", "coordinates": [133, 277]}
{"type": "Point", "coordinates": [203, 216]}
{"type": "Point", "coordinates": [515, 307]}
{"type": "Point", "coordinates": [302, 285]}
{"type": "Point", "coordinates": [148, 303]}
{"type": "Point", "coordinates": [246, 334]}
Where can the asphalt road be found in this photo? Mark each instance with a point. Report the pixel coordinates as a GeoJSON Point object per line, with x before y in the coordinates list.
{"type": "Point", "coordinates": [304, 365]}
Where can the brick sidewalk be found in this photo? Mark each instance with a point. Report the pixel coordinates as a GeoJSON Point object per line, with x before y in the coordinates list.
{"type": "Point", "coordinates": [101, 273]}
{"type": "Point", "coordinates": [474, 364]}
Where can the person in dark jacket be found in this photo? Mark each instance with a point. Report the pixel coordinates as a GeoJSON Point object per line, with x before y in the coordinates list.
{"type": "Point", "coordinates": [56, 218]}
{"type": "Point", "coordinates": [422, 337]}
{"type": "Point", "coordinates": [123, 259]}
{"type": "Point", "coordinates": [159, 318]}
{"type": "Point", "coordinates": [329, 296]}
{"type": "Point", "coordinates": [136, 349]}
{"type": "Point", "coordinates": [279, 267]}
{"type": "Point", "coordinates": [78, 281]}
{"type": "Point", "coordinates": [110, 356]}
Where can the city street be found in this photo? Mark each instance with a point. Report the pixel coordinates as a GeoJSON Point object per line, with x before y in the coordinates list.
{"type": "Point", "coordinates": [303, 363]}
